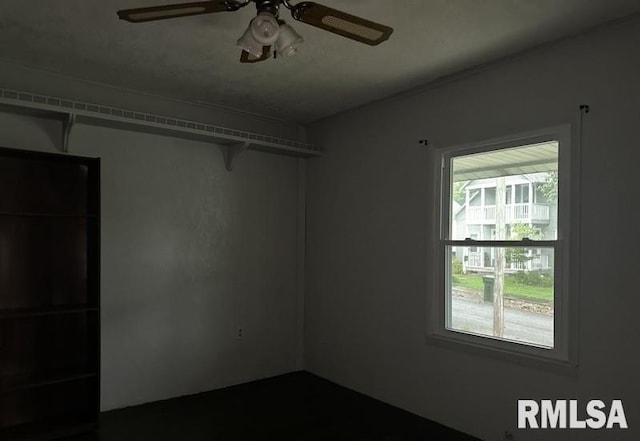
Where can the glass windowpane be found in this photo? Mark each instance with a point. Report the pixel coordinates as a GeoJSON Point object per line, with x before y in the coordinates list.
{"type": "Point", "coordinates": [480, 180]}
{"type": "Point", "coordinates": [522, 277]}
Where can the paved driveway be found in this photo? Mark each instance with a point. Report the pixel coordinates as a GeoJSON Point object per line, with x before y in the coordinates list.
{"type": "Point", "coordinates": [473, 316]}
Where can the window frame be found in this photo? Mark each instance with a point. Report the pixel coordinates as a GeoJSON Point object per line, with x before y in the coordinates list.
{"type": "Point", "coordinates": [564, 353]}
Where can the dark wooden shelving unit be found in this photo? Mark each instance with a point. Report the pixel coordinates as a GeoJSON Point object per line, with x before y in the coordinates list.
{"type": "Point", "coordinates": [49, 295]}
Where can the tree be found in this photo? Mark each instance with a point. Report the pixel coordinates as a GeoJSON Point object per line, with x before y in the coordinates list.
{"type": "Point", "coordinates": [521, 231]}
{"type": "Point", "coordinates": [549, 188]}
{"type": "Point", "coordinates": [459, 193]}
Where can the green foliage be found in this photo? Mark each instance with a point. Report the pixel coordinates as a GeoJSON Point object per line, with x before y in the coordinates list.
{"type": "Point", "coordinates": [512, 288]}
{"type": "Point", "coordinates": [459, 192]}
{"type": "Point", "coordinates": [549, 188]}
{"type": "Point", "coordinates": [518, 232]}
{"type": "Point", "coordinates": [456, 266]}
{"type": "Point", "coordinates": [542, 279]}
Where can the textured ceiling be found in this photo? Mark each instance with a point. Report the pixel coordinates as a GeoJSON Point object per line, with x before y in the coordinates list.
{"type": "Point", "coordinates": [195, 58]}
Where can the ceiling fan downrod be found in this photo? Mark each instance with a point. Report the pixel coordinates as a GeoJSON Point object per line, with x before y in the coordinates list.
{"type": "Point", "coordinates": [270, 6]}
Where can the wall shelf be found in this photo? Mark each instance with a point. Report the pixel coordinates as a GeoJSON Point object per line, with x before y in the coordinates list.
{"type": "Point", "coordinates": [76, 112]}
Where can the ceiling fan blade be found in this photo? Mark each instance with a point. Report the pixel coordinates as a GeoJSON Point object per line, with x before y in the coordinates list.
{"type": "Point", "coordinates": [163, 12]}
{"type": "Point", "coordinates": [246, 57]}
{"type": "Point", "coordinates": [341, 23]}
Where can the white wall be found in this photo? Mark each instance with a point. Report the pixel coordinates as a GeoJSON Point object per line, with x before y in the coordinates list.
{"type": "Point", "coordinates": [27, 79]}
{"type": "Point", "coordinates": [370, 209]}
{"type": "Point", "coordinates": [190, 253]}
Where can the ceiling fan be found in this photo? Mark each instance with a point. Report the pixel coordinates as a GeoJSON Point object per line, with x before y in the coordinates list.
{"type": "Point", "coordinates": [267, 30]}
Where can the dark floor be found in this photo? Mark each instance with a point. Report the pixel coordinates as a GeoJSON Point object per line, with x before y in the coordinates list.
{"type": "Point", "coordinates": [298, 406]}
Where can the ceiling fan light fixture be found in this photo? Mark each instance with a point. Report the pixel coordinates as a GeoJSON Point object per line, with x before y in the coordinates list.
{"type": "Point", "coordinates": [249, 44]}
{"type": "Point", "coordinates": [264, 28]}
{"type": "Point", "coordinates": [288, 41]}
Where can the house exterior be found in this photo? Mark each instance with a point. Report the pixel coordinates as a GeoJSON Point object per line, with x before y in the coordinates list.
{"type": "Point", "coordinates": [526, 209]}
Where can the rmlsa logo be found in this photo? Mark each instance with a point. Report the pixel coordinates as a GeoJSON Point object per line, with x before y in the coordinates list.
{"type": "Point", "coordinates": [554, 414]}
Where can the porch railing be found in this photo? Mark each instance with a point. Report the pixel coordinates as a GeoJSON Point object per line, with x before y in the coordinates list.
{"type": "Point", "coordinates": [513, 213]}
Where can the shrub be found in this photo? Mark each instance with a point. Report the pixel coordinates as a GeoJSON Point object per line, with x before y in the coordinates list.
{"type": "Point", "coordinates": [534, 278]}
{"type": "Point", "coordinates": [456, 266]}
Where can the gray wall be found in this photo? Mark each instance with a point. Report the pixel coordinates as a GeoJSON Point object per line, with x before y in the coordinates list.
{"type": "Point", "coordinates": [370, 210]}
{"type": "Point", "coordinates": [27, 79]}
{"type": "Point", "coordinates": [190, 253]}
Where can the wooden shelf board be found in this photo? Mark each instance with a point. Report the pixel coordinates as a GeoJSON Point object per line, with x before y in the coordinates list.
{"type": "Point", "coordinates": [46, 215]}
{"type": "Point", "coordinates": [45, 431]}
{"type": "Point", "coordinates": [44, 311]}
{"type": "Point", "coordinates": [13, 383]}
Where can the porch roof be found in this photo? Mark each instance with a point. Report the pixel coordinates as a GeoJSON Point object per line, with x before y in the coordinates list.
{"type": "Point", "coordinates": [534, 158]}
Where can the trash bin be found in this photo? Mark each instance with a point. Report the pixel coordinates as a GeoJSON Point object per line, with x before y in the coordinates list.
{"type": "Point", "coordinates": [489, 283]}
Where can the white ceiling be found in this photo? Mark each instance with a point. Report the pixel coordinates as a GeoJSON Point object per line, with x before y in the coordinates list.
{"type": "Point", "coordinates": [195, 58]}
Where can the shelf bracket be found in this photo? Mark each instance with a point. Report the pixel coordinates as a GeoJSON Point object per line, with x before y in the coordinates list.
{"type": "Point", "coordinates": [67, 126]}
{"type": "Point", "coordinates": [231, 152]}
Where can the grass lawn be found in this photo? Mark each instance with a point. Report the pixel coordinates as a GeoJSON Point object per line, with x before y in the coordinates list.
{"type": "Point", "coordinates": [511, 288]}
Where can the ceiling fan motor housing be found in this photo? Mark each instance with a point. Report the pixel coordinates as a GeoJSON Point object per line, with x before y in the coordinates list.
{"type": "Point", "coordinates": [270, 6]}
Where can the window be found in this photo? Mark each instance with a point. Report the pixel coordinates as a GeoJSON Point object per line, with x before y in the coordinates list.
{"type": "Point", "coordinates": [522, 193]}
{"type": "Point", "coordinates": [490, 196]}
{"type": "Point", "coordinates": [503, 263]}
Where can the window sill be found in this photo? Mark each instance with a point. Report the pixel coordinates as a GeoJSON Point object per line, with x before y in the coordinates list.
{"type": "Point", "coordinates": [522, 355]}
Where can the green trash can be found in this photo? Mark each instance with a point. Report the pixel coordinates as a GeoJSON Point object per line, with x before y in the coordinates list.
{"type": "Point", "coordinates": [489, 284]}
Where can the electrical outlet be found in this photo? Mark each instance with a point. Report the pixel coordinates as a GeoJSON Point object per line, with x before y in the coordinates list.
{"type": "Point", "coordinates": [240, 332]}
{"type": "Point", "coordinates": [508, 436]}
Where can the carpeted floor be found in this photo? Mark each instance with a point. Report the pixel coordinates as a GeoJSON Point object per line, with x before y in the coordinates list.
{"type": "Point", "coordinates": [298, 406]}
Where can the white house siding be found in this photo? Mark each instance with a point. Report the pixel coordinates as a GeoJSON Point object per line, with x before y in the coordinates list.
{"type": "Point", "coordinates": [475, 219]}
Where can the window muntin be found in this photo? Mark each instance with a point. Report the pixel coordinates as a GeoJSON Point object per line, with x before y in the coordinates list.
{"type": "Point", "coordinates": [527, 174]}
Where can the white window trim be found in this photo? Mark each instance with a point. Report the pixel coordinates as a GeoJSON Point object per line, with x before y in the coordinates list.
{"type": "Point", "coordinates": [564, 355]}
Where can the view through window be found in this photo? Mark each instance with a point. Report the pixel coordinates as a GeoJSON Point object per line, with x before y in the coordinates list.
{"type": "Point", "coordinates": [500, 243]}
